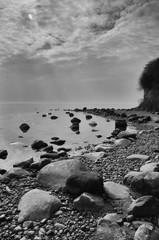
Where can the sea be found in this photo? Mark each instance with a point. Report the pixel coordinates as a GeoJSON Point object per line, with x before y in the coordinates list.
{"type": "Point", "coordinates": [18, 144]}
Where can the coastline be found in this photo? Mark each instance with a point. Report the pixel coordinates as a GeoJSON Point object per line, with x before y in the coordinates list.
{"type": "Point", "coordinates": [113, 167]}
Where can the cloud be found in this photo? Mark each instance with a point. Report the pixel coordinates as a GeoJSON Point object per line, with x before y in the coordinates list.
{"type": "Point", "coordinates": [65, 30]}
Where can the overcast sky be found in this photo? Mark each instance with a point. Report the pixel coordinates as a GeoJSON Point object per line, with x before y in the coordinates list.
{"type": "Point", "coordinates": [76, 50]}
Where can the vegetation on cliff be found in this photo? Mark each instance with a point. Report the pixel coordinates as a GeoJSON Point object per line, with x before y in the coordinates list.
{"type": "Point", "coordinates": [149, 83]}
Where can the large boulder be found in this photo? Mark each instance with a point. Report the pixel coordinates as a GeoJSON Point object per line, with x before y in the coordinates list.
{"type": "Point", "coordinates": [81, 182]}
{"type": "Point", "coordinates": [108, 230]}
{"type": "Point", "coordinates": [3, 154]}
{"type": "Point", "coordinates": [143, 182]}
{"type": "Point", "coordinates": [146, 206]}
{"type": "Point", "coordinates": [37, 205]}
{"type": "Point", "coordinates": [147, 231]}
{"type": "Point", "coordinates": [116, 191]}
{"type": "Point", "coordinates": [38, 144]}
{"type": "Point", "coordinates": [87, 201]}
{"type": "Point", "coordinates": [54, 175]}
{"type": "Point", "coordinates": [24, 164]}
{"type": "Point", "coordinates": [24, 127]}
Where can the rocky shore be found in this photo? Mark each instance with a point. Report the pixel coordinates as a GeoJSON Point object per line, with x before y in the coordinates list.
{"type": "Point", "coordinates": [111, 191]}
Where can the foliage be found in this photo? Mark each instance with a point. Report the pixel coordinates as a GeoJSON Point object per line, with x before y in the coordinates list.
{"type": "Point", "coordinates": [149, 78]}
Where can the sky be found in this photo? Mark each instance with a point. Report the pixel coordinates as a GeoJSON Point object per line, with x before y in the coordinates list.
{"type": "Point", "coordinates": [76, 50]}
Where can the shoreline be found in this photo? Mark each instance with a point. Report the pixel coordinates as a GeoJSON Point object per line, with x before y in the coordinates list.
{"type": "Point", "coordinates": [113, 167]}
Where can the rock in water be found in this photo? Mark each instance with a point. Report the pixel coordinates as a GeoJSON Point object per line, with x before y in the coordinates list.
{"type": "Point", "coordinates": [121, 124]}
{"type": "Point", "coordinates": [54, 175]}
{"type": "Point", "coordinates": [93, 124]}
{"type": "Point", "coordinates": [37, 205]}
{"type": "Point", "coordinates": [88, 201]}
{"type": "Point", "coordinates": [53, 117]}
{"type": "Point", "coordinates": [88, 116]}
{"type": "Point", "coordinates": [90, 182]}
{"type": "Point", "coordinates": [38, 144]}
{"type": "Point", "coordinates": [58, 142]}
{"type": "Point", "coordinates": [25, 164]}
{"type": "Point", "coordinates": [24, 127]}
{"type": "Point", "coordinates": [75, 120]}
{"type": "Point", "coordinates": [3, 154]}
{"type": "Point", "coordinates": [40, 164]}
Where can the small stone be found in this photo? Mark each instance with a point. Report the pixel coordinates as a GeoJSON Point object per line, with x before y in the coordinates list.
{"type": "Point", "coordinates": [43, 221]}
{"type": "Point", "coordinates": [130, 218]}
{"type": "Point", "coordinates": [31, 233]}
{"type": "Point", "coordinates": [28, 224]}
{"type": "Point", "coordinates": [18, 229]}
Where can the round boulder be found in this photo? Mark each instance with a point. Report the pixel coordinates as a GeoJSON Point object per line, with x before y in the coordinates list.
{"type": "Point", "coordinates": [37, 205]}
{"type": "Point", "coordinates": [90, 182]}
{"type": "Point", "coordinates": [54, 175]}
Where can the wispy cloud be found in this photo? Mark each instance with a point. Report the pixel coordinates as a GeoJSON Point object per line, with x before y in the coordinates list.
{"type": "Point", "coordinates": [67, 30]}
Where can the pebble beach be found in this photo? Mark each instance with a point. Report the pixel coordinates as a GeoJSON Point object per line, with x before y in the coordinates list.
{"type": "Point", "coordinates": [68, 223]}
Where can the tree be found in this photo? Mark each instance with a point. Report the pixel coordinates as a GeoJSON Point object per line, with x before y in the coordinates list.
{"type": "Point", "coordinates": [149, 82]}
{"type": "Point", "coordinates": [150, 76]}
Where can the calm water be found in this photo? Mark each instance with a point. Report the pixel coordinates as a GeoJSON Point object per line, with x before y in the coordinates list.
{"type": "Point", "coordinates": [13, 115]}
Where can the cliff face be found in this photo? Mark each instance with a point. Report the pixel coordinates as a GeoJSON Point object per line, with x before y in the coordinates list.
{"type": "Point", "coordinates": [150, 101]}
